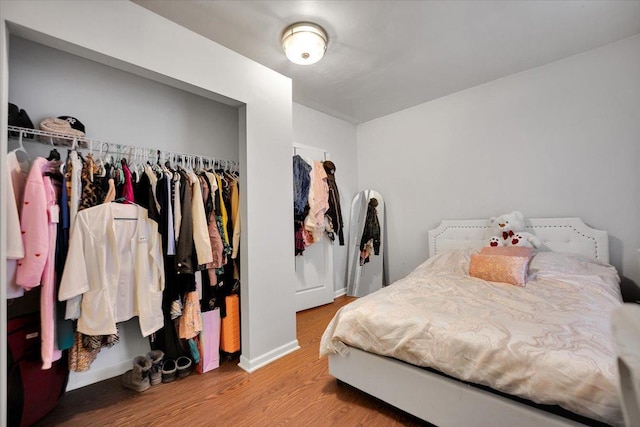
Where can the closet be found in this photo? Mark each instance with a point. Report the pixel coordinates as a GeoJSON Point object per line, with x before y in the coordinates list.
{"type": "Point", "coordinates": [48, 82]}
{"type": "Point", "coordinates": [129, 38]}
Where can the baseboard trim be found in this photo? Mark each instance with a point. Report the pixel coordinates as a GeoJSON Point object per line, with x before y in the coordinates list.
{"type": "Point", "coordinates": [83, 379]}
{"type": "Point", "coordinates": [265, 359]}
{"type": "Point", "coordinates": [339, 293]}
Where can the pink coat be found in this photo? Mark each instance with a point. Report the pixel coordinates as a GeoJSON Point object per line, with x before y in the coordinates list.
{"type": "Point", "coordinates": [38, 222]}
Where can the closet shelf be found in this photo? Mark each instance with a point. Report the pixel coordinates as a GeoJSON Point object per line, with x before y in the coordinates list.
{"type": "Point", "coordinates": [124, 149]}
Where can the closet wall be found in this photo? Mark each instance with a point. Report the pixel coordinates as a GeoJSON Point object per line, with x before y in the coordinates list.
{"type": "Point", "coordinates": [130, 38]}
{"type": "Point", "coordinates": [118, 107]}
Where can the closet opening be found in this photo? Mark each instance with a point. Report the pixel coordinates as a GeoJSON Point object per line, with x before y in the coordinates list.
{"type": "Point", "coordinates": [142, 117]}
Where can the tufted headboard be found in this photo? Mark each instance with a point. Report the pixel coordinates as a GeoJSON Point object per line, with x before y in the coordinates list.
{"type": "Point", "coordinates": [557, 234]}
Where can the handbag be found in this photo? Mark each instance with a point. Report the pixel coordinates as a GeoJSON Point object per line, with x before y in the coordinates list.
{"type": "Point", "coordinates": [209, 341]}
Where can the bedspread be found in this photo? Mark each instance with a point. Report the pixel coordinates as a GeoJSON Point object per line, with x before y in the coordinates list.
{"type": "Point", "coordinates": [549, 342]}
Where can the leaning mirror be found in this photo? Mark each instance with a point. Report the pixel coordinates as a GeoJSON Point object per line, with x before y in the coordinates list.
{"type": "Point", "coordinates": [366, 272]}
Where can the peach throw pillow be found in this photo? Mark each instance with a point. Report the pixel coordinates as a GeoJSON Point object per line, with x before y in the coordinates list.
{"type": "Point", "coordinates": [500, 268]}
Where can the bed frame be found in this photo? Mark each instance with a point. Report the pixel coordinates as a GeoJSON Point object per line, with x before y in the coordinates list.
{"type": "Point", "coordinates": [445, 401]}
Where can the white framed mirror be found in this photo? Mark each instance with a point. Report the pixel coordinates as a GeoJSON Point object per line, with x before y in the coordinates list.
{"type": "Point", "coordinates": [366, 237]}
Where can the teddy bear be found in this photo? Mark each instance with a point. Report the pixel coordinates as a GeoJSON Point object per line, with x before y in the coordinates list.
{"type": "Point", "coordinates": [496, 241]}
{"type": "Point", "coordinates": [524, 239]}
{"type": "Point", "coordinates": [506, 226]}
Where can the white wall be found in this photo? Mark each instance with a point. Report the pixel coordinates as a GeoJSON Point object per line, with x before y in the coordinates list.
{"type": "Point", "coordinates": [561, 140]}
{"type": "Point", "coordinates": [338, 137]}
{"type": "Point", "coordinates": [130, 38]}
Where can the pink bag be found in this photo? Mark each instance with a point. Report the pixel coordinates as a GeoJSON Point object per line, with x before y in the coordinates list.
{"type": "Point", "coordinates": [209, 342]}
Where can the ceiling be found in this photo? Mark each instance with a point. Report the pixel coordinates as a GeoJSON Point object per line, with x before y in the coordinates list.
{"type": "Point", "coordinates": [385, 56]}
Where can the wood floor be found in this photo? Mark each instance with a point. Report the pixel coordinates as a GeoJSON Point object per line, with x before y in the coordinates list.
{"type": "Point", "coordinates": [295, 390]}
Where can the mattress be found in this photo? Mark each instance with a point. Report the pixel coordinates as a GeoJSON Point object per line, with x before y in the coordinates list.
{"type": "Point", "coordinates": [548, 342]}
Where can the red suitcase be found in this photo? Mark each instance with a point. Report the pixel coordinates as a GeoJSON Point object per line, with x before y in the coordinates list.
{"type": "Point", "coordinates": [31, 391]}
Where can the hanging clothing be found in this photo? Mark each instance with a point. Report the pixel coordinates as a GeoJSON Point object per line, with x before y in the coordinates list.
{"type": "Point", "coordinates": [17, 177]}
{"type": "Point", "coordinates": [301, 189]}
{"type": "Point", "coordinates": [200, 233]}
{"type": "Point", "coordinates": [177, 206]}
{"type": "Point", "coordinates": [92, 192]}
{"type": "Point", "coordinates": [153, 181]}
{"type": "Point", "coordinates": [74, 177]}
{"type": "Point", "coordinates": [40, 216]}
{"type": "Point", "coordinates": [92, 195]}
{"type": "Point", "coordinates": [222, 210]}
{"type": "Point", "coordinates": [85, 350]}
{"type": "Point", "coordinates": [116, 264]}
{"type": "Point", "coordinates": [301, 184]}
{"type": "Point", "coordinates": [127, 190]}
{"type": "Point", "coordinates": [207, 199]}
{"type": "Point", "coordinates": [299, 239]}
{"type": "Point", "coordinates": [111, 191]}
{"type": "Point", "coordinates": [371, 233]}
{"type": "Point", "coordinates": [165, 220]}
{"type": "Point", "coordinates": [318, 201]}
{"type": "Point", "coordinates": [168, 207]}
{"type": "Point", "coordinates": [190, 323]}
{"type": "Point", "coordinates": [144, 195]}
{"type": "Point", "coordinates": [184, 245]}
{"type": "Point", "coordinates": [334, 213]}
{"type": "Point", "coordinates": [235, 214]}
{"type": "Point", "coordinates": [217, 248]}
{"type": "Point", "coordinates": [65, 329]}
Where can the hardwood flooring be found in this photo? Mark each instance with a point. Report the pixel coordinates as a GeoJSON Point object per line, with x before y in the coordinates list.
{"type": "Point", "coordinates": [295, 390]}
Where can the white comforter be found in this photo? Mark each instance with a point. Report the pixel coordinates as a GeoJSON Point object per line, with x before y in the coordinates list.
{"type": "Point", "coordinates": [548, 342]}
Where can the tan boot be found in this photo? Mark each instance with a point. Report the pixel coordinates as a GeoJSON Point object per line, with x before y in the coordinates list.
{"type": "Point", "coordinates": [155, 374]}
{"type": "Point", "coordinates": [138, 378]}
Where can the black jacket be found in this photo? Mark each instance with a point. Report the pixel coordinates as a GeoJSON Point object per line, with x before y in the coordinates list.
{"type": "Point", "coordinates": [371, 227]}
{"type": "Point", "coordinates": [334, 212]}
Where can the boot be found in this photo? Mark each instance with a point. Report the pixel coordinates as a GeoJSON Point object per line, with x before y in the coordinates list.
{"type": "Point", "coordinates": [169, 371]}
{"type": "Point", "coordinates": [138, 378]}
{"type": "Point", "coordinates": [184, 365]}
{"type": "Point", "coordinates": [155, 374]}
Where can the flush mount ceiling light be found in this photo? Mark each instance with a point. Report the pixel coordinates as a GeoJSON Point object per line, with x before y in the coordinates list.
{"type": "Point", "coordinates": [304, 43]}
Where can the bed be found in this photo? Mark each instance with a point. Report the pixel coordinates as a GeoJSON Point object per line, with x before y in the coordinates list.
{"type": "Point", "coordinates": [457, 351]}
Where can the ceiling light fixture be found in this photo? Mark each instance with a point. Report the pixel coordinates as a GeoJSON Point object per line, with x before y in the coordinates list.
{"type": "Point", "coordinates": [304, 43]}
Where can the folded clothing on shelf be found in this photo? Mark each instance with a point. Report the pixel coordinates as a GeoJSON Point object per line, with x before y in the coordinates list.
{"type": "Point", "coordinates": [63, 126]}
{"type": "Point", "coordinates": [20, 118]}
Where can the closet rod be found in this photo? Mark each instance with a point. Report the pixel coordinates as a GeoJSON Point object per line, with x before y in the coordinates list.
{"type": "Point", "coordinates": [122, 149]}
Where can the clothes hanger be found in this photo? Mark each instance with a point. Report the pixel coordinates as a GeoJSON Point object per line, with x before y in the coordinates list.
{"type": "Point", "coordinates": [123, 201]}
{"type": "Point", "coordinates": [21, 148]}
{"type": "Point", "coordinates": [53, 154]}
{"type": "Point", "coordinates": [55, 171]}
{"type": "Point", "coordinates": [100, 162]}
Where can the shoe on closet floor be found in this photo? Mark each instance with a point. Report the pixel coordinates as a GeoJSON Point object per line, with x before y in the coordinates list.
{"type": "Point", "coordinates": [138, 378]}
{"type": "Point", "coordinates": [155, 374]}
{"type": "Point", "coordinates": [169, 371]}
{"type": "Point", "coordinates": [184, 366]}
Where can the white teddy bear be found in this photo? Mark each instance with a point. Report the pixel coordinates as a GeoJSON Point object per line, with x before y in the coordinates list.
{"type": "Point", "coordinates": [506, 227]}
{"type": "Point", "coordinates": [496, 241]}
{"type": "Point", "coordinates": [524, 239]}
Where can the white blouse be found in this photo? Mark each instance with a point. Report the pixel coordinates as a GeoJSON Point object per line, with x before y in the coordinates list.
{"type": "Point", "coordinates": [115, 262]}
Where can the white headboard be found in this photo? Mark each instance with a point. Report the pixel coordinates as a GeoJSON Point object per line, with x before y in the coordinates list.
{"type": "Point", "coordinates": [557, 234]}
